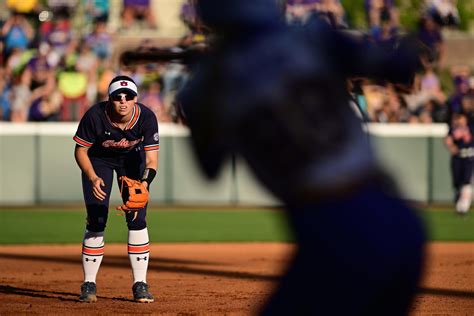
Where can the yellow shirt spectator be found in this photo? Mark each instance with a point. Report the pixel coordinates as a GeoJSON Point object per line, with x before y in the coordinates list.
{"type": "Point", "coordinates": [22, 6]}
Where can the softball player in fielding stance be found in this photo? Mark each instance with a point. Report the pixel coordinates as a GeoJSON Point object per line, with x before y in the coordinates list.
{"type": "Point", "coordinates": [118, 135]}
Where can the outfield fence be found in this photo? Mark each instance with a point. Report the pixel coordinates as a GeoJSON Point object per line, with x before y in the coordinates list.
{"type": "Point", "coordinates": [37, 166]}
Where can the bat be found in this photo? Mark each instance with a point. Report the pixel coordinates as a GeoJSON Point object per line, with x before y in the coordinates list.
{"type": "Point", "coordinates": [163, 54]}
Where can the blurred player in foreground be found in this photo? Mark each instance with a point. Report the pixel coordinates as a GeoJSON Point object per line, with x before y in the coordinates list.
{"type": "Point", "coordinates": [276, 95]}
{"type": "Point", "coordinates": [118, 135]}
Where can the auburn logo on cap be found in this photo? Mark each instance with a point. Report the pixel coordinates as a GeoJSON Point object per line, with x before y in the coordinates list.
{"type": "Point", "coordinates": [123, 84]}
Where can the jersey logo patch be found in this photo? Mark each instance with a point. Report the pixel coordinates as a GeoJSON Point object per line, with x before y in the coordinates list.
{"type": "Point", "coordinates": [123, 143]}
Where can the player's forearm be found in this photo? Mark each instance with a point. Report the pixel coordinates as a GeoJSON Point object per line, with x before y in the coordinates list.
{"type": "Point", "coordinates": [84, 163]}
{"type": "Point", "coordinates": [152, 160]}
{"type": "Point", "coordinates": [151, 168]}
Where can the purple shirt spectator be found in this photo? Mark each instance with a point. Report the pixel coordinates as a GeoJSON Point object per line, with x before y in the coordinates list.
{"type": "Point", "coordinates": [136, 3]}
{"type": "Point", "coordinates": [60, 35]}
{"type": "Point", "coordinates": [188, 11]}
{"type": "Point", "coordinates": [302, 2]}
{"type": "Point", "coordinates": [138, 11]}
{"type": "Point", "coordinates": [430, 35]}
{"type": "Point", "coordinates": [37, 64]}
{"type": "Point", "coordinates": [100, 41]}
{"type": "Point", "coordinates": [454, 102]}
{"type": "Point", "coordinates": [386, 3]}
{"type": "Point", "coordinates": [39, 68]}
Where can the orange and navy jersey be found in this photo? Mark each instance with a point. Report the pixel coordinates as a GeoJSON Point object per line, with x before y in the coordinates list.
{"type": "Point", "coordinates": [97, 132]}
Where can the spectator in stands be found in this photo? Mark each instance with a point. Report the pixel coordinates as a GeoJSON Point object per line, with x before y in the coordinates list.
{"type": "Point", "coordinates": [356, 90]}
{"type": "Point", "coordinates": [59, 34]}
{"type": "Point", "coordinates": [73, 82]}
{"type": "Point", "coordinates": [426, 88]}
{"type": "Point", "coordinates": [374, 96]}
{"type": "Point", "coordinates": [467, 106]}
{"type": "Point", "coordinates": [444, 12]}
{"type": "Point", "coordinates": [335, 12]}
{"type": "Point", "coordinates": [429, 34]}
{"type": "Point", "coordinates": [174, 77]}
{"type": "Point", "coordinates": [378, 9]}
{"type": "Point", "coordinates": [45, 108]}
{"type": "Point", "coordinates": [386, 33]}
{"type": "Point", "coordinates": [152, 98]}
{"type": "Point", "coordinates": [461, 89]}
{"type": "Point", "coordinates": [17, 33]}
{"type": "Point", "coordinates": [96, 10]}
{"type": "Point", "coordinates": [188, 15]}
{"type": "Point", "coordinates": [63, 8]}
{"type": "Point", "coordinates": [430, 111]}
{"type": "Point", "coordinates": [197, 32]}
{"type": "Point", "coordinates": [20, 102]}
{"type": "Point", "coordinates": [430, 85]}
{"type": "Point", "coordinates": [36, 81]}
{"type": "Point", "coordinates": [298, 11]}
{"type": "Point", "coordinates": [22, 6]}
{"type": "Point", "coordinates": [5, 95]}
{"type": "Point", "coordinates": [16, 61]}
{"type": "Point", "coordinates": [384, 114]}
{"type": "Point", "coordinates": [106, 74]}
{"type": "Point", "coordinates": [88, 63]}
{"type": "Point", "coordinates": [393, 108]}
{"type": "Point", "coordinates": [2, 52]}
{"type": "Point", "coordinates": [38, 75]}
{"type": "Point", "coordinates": [138, 11]}
{"type": "Point", "coordinates": [100, 40]}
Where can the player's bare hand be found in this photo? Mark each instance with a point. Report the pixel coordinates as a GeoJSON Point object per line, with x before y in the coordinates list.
{"type": "Point", "coordinates": [97, 183]}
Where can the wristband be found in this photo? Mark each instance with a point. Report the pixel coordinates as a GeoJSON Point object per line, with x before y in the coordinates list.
{"type": "Point", "coordinates": [148, 175]}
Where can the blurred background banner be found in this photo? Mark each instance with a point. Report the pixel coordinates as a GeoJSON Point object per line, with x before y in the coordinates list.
{"type": "Point", "coordinates": [37, 157]}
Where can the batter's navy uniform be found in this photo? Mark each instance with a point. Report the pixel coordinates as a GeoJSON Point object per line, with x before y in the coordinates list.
{"type": "Point", "coordinates": [360, 246]}
{"type": "Point", "coordinates": [113, 149]}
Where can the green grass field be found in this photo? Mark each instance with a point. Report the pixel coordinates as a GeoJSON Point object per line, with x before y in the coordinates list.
{"type": "Point", "coordinates": [38, 225]}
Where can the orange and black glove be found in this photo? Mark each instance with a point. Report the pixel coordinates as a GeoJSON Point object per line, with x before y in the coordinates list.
{"type": "Point", "coordinates": [134, 195]}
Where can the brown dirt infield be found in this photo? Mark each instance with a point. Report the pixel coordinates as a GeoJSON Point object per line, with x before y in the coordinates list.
{"type": "Point", "coordinates": [198, 279]}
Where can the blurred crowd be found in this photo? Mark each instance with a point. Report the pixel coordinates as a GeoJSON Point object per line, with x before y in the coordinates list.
{"type": "Point", "coordinates": [52, 67]}
{"type": "Point", "coordinates": [56, 57]}
{"type": "Point", "coordinates": [427, 101]}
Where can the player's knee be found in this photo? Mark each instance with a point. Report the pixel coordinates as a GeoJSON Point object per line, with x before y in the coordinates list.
{"type": "Point", "coordinates": [97, 215]}
{"type": "Point", "coordinates": [93, 239]}
{"type": "Point", "coordinates": [95, 227]}
{"type": "Point", "coordinates": [96, 224]}
{"type": "Point", "coordinates": [137, 224]}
